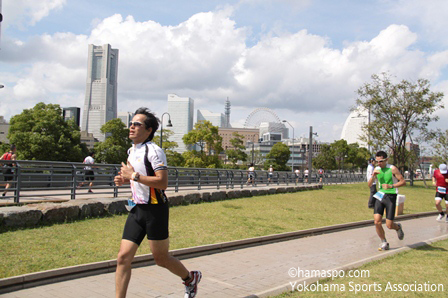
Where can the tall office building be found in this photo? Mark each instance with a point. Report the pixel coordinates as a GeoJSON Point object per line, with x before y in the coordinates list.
{"type": "Point", "coordinates": [217, 119]}
{"type": "Point", "coordinates": [181, 111]}
{"type": "Point", "coordinates": [100, 103]}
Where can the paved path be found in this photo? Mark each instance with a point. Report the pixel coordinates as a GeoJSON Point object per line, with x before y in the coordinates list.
{"type": "Point", "coordinates": [261, 270]}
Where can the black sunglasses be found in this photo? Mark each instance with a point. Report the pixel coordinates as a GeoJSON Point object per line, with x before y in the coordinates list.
{"type": "Point", "coordinates": [135, 123]}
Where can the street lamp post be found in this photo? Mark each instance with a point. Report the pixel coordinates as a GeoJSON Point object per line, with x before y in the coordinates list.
{"type": "Point", "coordinates": [161, 126]}
{"type": "Point", "coordinates": [310, 152]}
{"type": "Point", "coordinates": [292, 160]}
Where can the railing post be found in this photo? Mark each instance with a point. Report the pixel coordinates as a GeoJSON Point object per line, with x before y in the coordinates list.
{"type": "Point", "coordinates": [18, 179]}
{"type": "Point", "coordinates": [219, 179]}
{"type": "Point", "coordinates": [199, 179]}
{"type": "Point", "coordinates": [115, 186]}
{"type": "Point", "coordinates": [73, 190]}
{"type": "Point", "coordinates": [176, 186]}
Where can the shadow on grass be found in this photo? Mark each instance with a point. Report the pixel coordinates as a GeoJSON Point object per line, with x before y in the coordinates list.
{"type": "Point", "coordinates": [423, 246]}
{"type": "Point", "coordinates": [4, 229]}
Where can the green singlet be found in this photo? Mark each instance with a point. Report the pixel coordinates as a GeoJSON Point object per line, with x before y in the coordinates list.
{"type": "Point", "coordinates": [386, 177]}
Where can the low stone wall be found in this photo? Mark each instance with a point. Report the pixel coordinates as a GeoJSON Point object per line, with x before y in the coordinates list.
{"type": "Point", "coordinates": [45, 213]}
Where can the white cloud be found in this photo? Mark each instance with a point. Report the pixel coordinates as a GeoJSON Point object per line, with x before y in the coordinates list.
{"type": "Point", "coordinates": [207, 58]}
{"type": "Point", "coordinates": [22, 13]}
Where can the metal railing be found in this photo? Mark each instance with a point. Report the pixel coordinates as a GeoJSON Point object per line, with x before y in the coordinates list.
{"type": "Point", "coordinates": [62, 178]}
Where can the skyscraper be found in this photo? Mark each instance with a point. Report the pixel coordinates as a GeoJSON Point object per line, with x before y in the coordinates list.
{"type": "Point", "coordinates": [100, 103]}
{"type": "Point", "coordinates": [181, 110]}
{"type": "Point", "coordinates": [217, 119]}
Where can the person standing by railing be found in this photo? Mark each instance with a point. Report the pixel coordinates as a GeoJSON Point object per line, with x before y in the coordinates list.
{"type": "Point", "coordinates": [369, 173]}
{"type": "Point", "coordinates": [147, 171]}
{"type": "Point", "coordinates": [7, 168]}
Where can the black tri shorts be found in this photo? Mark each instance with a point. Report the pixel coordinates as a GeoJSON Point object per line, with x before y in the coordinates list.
{"type": "Point", "coordinates": [441, 195]}
{"type": "Point", "coordinates": [389, 202]}
{"type": "Point", "coordinates": [147, 219]}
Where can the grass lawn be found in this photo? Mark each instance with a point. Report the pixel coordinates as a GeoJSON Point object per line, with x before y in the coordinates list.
{"type": "Point", "coordinates": [92, 240]}
{"type": "Point", "coordinates": [426, 264]}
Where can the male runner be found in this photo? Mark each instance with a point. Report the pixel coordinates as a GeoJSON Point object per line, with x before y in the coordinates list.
{"type": "Point", "coordinates": [8, 168]}
{"type": "Point", "coordinates": [88, 171]}
{"type": "Point", "coordinates": [388, 179]}
{"type": "Point", "coordinates": [369, 173]}
{"type": "Point", "coordinates": [440, 180]}
{"type": "Point", "coordinates": [146, 170]}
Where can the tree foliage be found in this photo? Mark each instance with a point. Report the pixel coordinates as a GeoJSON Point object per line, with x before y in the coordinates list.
{"type": "Point", "coordinates": [41, 133]}
{"type": "Point", "coordinates": [325, 159]}
{"type": "Point", "coordinates": [115, 147]}
{"type": "Point", "coordinates": [278, 157]}
{"type": "Point", "coordinates": [166, 144]}
{"type": "Point", "coordinates": [440, 145]}
{"type": "Point", "coordinates": [237, 152]}
{"type": "Point", "coordinates": [398, 111]}
{"type": "Point", "coordinates": [206, 136]}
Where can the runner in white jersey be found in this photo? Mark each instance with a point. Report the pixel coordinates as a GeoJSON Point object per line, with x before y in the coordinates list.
{"type": "Point", "coordinates": [146, 170]}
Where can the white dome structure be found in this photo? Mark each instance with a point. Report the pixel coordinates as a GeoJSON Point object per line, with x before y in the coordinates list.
{"type": "Point", "coordinates": [352, 130]}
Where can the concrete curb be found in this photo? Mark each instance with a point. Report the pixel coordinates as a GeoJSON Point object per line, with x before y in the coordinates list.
{"type": "Point", "coordinates": [61, 274]}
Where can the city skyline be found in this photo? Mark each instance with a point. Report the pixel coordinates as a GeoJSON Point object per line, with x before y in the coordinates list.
{"type": "Point", "coordinates": [303, 59]}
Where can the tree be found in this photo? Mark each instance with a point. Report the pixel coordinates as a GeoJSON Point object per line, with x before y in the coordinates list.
{"type": "Point", "coordinates": [399, 111]}
{"type": "Point", "coordinates": [114, 149]}
{"type": "Point", "coordinates": [206, 136]}
{"type": "Point", "coordinates": [357, 156]}
{"type": "Point", "coordinates": [278, 157]}
{"type": "Point", "coordinates": [166, 144]}
{"type": "Point", "coordinates": [325, 159]}
{"type": "Point", "coordinates": [41, 133]}
{"type": "Point", "coordinates": [237, 153]}
{"type": "Point", "coordinates": [440, 145]}
{"type": "Point", "coordinates": [340, 150]}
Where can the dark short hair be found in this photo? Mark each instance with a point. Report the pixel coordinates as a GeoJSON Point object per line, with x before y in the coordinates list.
{"type": "Point", "coordinates": [371, 159]}
{"type": "Point", "coordinates": [12, 147]}
{"type": "Point", "coordinates": [151, 121]}
{"type": "Point", "coordinates": [91, 153]}
{"type": "Point", "coordinates": [381, 154]}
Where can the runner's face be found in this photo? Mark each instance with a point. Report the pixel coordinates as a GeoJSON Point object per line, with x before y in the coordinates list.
{"type": "Point", "coordinates": [381, 161]}
{"type": "Point", "coordinates": [138, 133]}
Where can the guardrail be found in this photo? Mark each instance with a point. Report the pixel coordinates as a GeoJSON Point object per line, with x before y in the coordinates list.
{"type": "Point", "coordinates": [64, 177]}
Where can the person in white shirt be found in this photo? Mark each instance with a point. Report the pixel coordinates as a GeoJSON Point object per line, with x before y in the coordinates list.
{"type": "Point", "coordinates": [89, 174]}
{"type": "Point", "coordinates": [147, 171]}
{"type": "Point", "coordinates": [369, 173]}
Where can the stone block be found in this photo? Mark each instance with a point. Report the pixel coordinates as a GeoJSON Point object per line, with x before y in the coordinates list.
{"type": "Point", "coordinates": [233, 194]}
{"type": "Point", "coordinates": [192, 198]}
{"type": "Point", "coordinates": [254, 192]}
{"type": "Point", "coordinates": [281, 190]}
{"type": "Point", "coordinates": [205, 197]}
{"type": "Point", "coordinates": [262, 192]}
{"type": "Point", "coordinates": [245, 193]}
{"type": "Point", "coordinates": [176, 200]}
{"type": "Point", "coordinates": [218, 196]}
{"type": "Point", "coordinates": [291, 189]}
{"type": "Point", "coordinates": [21, 216]}
{"type": "Point", "coordinates": [272, 191]}
{"type": "Point", "coordinates": [57, 213]}
{"type": "Point", "coordinates": [91, 209]}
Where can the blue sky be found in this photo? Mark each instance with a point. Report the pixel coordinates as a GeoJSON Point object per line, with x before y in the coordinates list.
{"type": "Point", "coordinates": [302, 59]}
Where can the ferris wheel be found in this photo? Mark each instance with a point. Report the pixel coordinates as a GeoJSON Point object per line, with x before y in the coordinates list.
{"type": "Point", "coordinates": [260, 115]}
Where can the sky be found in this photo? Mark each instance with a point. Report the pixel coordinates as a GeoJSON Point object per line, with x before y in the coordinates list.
{"type": "Point", "coordinates": [303, 59]}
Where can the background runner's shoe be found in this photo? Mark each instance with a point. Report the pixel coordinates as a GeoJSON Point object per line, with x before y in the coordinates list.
{"type": "Point", "coordinates": [191, 287]}
{"type": "Point", "coordinates": [440, 217]}
{"type": "Point", "coordinates": [400, 232]}
{"type": "Point", "coordinates": [383, 246]}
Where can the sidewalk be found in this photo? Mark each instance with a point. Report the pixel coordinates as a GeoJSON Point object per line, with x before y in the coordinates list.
{"type": "Point", "coordinates": [257, 271]}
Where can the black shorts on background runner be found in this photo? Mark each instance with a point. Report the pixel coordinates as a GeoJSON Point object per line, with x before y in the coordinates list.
{"type": "Point", "coordinates": [147, 219]}
{"type": "Point", "coordinates": [389, 203]}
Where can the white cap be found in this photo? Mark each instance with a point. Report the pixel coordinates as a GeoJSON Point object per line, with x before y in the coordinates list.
{"type": "Point", "coordinates": [442, 168]}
